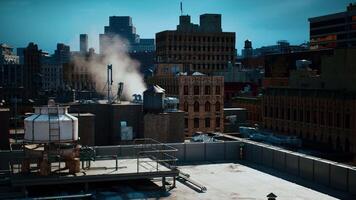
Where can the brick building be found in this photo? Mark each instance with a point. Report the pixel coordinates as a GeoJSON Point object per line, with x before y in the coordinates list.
{"type": "Point", "coordinates": [205, 47]}
{"type": "Point", "coordinates": [200, 96]}
{"type": "Point", "coordinates": [323, 116]}
{"type": "Point", "coordinates": [253, 107]}
{"type": "Point", "coordinates": [321, 109]}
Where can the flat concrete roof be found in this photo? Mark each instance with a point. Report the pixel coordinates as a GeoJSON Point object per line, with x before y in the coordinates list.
{"type": "Point", "coordinates": [237, 181]}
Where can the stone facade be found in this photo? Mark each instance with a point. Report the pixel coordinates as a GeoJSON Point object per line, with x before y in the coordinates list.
{"type": "Point", "coordinates": [202, 98]}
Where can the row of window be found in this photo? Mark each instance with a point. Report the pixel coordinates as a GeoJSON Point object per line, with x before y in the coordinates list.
{"type": "Point", "coordinates": [201, 39]}
{"type": "Point", "coordinates": [208, 66]}
{"type": "Point", "coordinates": [207, 122]}
{"type": "Point", "coordinates": [200, 57]}
{"type": "Point", "coordinates": [325, 118]}
{"type": "Point", "coordinates": [196, 90]}
{"type": "Point", "coordinates": [207, 106]}
{"type": "Point", "coordinates": [198, 48]}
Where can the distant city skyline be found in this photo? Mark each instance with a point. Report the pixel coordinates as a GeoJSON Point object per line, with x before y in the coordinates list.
{"type": "Point", "coordinates": [50, 22]}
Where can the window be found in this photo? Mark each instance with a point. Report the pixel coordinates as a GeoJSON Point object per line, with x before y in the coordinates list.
{"type": "Point", "coordinates": [330, 119]}
{"type": "Point", "coordinates": [338, 120]}
{"type": "Point", "coordinates": [322, 118]}
{"type": "Point", "coordinates": [301, 115]}
{"type": "Point", "coordinates": [265, 111]}
{"type": "Point", "coordinates": [207, 106]}
{"type": "Point", "coordinates": [217, 106]}
{"type": "Point", "coordinates": [288, 114]}
{"type": "Point", "coordinates": [217, 122]}
{"type": "Point", "coordinates": [196, 106]}
{"type": "Point", "coordinates": [207, 90]}
{"type": "Point", "coordinates": [347, 121]}
{"type": "Point", "coordinates": [196, 122]}
{"type": "Point", "coordinates": [185, 122]}
{"type": "Point", "coordinates": [185, 105]}
{"type": "Point", "coordinates": [185, 90]}
{"type": "Point", "coordinates": [217, 90]}
{"type": "Point", "coordinates": [196, 90]}
{"type": "Point", "coordinates": [207, 122]}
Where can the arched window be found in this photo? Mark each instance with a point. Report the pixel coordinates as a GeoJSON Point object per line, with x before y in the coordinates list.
{"type": "Point", "coordinates": [185, 106]}
{"type": "Point", "coordinates": [217, 106]}
{"type": "Point", "coordinates": [207, 106]}
{"type": "Point", "coordinates": [196, 106]}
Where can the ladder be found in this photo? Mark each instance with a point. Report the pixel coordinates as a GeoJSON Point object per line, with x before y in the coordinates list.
{"type": "Point", "coordinates": [54, 137]}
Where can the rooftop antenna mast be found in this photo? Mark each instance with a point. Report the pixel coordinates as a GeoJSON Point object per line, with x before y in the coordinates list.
{"type": "Point", "coordinates": [181, 8]}
{"type": "Point", "coordinates": [109, 82]}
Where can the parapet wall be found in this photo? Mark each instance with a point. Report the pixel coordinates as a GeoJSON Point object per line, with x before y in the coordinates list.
{"type": "Point", "coordinates": [325, 172]}
{"type": "Point", "coordinates": [328, 173]}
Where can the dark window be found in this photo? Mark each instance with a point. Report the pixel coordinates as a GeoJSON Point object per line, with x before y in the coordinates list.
{"type": "Point", "coordinates": [288, 114]}
{"type": "Point", "coordinates": [185, 123]}
{"type": "Point", "coordinates": [307, 116]}
{"type": "Point", "coordinates": [217, 122]}
{"type": "Point", "coordinates": [207, 106]}
{"type": "Point", "coordinates": [338, 120]}
{"type": "Point", "coordinates": [301, 115]}
{"type": "Point", "coordinates": [330, 119]}
{"type": "Point", "coordinates": [207, 90]}
{"type": "Point", "coordinates": [322, 118]}
{"type": "Point", "coordinates": [217, 90]}
{"type": "Point", "coordinates": [265, 111]}
{"type": "Point", "coordinates": [217, 106]}
{"type": "Point", "coordinates": [196, 90]}
{"type": "Point", "coordinates": [196, 106]}
{"type": "Point", "coordinates": [185, 105]}
{"type": "Point", "coordinates": [347, 121]}
{"type": "Point", "coordinates": [207, 122]}
{"type": "Point", "coordinates": [196, 122]}
{"type": "Point", "coordinates": [186, 90]}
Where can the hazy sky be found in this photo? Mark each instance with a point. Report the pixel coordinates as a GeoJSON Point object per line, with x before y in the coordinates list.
{"type": "Point", "coordinates": [48, 22]}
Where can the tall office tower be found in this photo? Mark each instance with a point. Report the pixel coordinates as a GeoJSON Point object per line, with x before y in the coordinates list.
{"type": "Point", "coordinates": [120, 26]}
{"type": "Point", "coordinates": [62, 53]}
{"type": "Point", "coordinates": [32, 70]}
{"type": "Point", "coordinates": [83, 42]}
{"type": "Point", "coordinates": [205, 47]}
{"type": "Point", "coordinates": [334, 30]}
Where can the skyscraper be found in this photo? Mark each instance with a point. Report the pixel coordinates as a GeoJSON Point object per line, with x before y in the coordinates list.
{"type": "Point", "coordinates": [83, 41]}
{"type": "Point", "coordinates": [122, 27]}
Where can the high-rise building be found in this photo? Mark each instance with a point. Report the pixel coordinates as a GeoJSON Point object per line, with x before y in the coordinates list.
{"type": "Point", "coordinates": [62, 53]}
{"type": "Point", "coordinates": [204, 46]}
{"type": "Point", "coordinates": [119, 26]}
{"type": "Point", "coordinates": [32, 70]}
{"type": "Point", "coordinates": [122, 27]}
{"type": "Point", "coordinates": [11, 75]}
{"type": "Point", "coordinates": [334, 30]}
{"type": "Point", "coordinates": [83, 43]}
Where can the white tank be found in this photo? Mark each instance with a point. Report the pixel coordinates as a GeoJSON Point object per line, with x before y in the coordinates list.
{"type": "Point", "coordinates": [61, 127]}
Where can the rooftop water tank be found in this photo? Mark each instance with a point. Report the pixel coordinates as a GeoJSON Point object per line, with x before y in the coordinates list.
{"type": "Point", "coordinates": [153, 99]}
{"type": "Point", "coordinates": [51, 123]}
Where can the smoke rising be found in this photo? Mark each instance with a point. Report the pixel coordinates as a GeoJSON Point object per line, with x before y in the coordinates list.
{"type": "Point", "coordinates": [124, 69]}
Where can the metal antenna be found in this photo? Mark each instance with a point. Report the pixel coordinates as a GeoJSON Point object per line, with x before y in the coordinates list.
{"type": "Point", "coordinates": [109, 82]}
{"type": "Point", "coordinates": [181, 8]}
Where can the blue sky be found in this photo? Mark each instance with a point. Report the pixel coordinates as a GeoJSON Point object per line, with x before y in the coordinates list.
{"type": "Point", "coordinates": [48, 22]}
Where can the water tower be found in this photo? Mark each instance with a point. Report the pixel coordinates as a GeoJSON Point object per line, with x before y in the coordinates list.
{"type": "Point", "coordinates": [50, 140]}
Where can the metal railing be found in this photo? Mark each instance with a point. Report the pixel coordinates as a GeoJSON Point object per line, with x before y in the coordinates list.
{"type": "Point", "coordinates": [153, 153]}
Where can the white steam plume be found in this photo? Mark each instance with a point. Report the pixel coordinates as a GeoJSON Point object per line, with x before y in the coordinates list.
{"type": "Point", "coordinates": [124, 68]}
